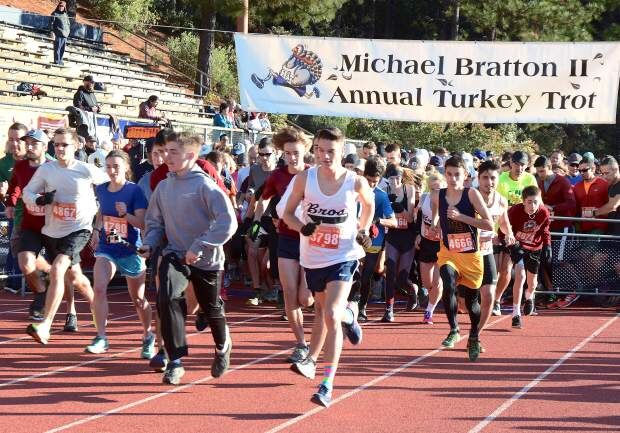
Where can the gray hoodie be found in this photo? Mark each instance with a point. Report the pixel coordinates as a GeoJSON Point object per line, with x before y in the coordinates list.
{"type": "Point", "coordinates": [194, 214]}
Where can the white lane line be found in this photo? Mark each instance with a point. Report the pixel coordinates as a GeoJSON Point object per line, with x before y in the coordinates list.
{"type": "Point", "coordinates": [161, 394]}
{"type": "Point", "coordinates": [366, 385]}
{"type": "Point", "coordinates": [497, 412]}
{"type": "Point", "coordinates": [14, 311]}
{"type": "Point", "coordinates": [103, 358]}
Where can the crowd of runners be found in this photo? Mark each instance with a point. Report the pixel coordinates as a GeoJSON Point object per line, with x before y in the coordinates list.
{"type": "Point", "coordinates": [304, 223]}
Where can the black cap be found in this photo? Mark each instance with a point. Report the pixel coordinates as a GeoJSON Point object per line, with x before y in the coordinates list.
{"type": "Point", "coordinates": [520, 157]}
{"type": "Point", "coordinates": [542, 161]}
{"type": "Point", "coordinates": [574, 158]}
{"type": "Point", "coordinates": [351, 158]}
{"type": "Point", "coordinates": [89, 78]}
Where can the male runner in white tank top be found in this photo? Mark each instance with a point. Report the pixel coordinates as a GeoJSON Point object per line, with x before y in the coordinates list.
{"type": "Point", "coordinates": [330, 247]}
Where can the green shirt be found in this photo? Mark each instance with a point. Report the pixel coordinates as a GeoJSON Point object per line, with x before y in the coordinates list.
{"type": "Point", "coordinates": [511, 189]}
{"type": "Point", "coordinates": [6, 170]}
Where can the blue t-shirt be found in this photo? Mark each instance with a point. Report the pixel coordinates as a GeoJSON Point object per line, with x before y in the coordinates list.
{"type": "Point", "coordinates": [133, 197]}
{"type": "Point", "coordinates": [574, 180]}
{"type": "Point", "coordinates": [383, 209]}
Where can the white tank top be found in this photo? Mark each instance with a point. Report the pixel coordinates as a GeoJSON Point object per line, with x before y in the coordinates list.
{"type": "Point", "coordinates": [427, 217]}
{"type": "Point", "coordinates": [334, 239]}
{"type": "Point", "coordinates": [487, 237]}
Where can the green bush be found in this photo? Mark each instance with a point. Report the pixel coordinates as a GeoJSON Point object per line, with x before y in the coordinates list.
{"type": "Point", "coordinates": [224, 72]}
{"type": "Point", "coordinates": [185, 48]}
{"type": "Point", "coordinates": [134, 13]}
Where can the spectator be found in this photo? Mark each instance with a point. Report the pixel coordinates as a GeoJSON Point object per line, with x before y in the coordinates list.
{"type": "Point", "coordinates": [85, 98]}
{"type": "Point", "coordinates": [98, 157]}
{"type": "Point", "coordinates": [224, 144]}
{"type": "Point", "coordinates": [573, 168]}
{"type": "Point", "coordinates": [591, 194]}
{"type": "Point", "coordinates": [369, 149]}
{"type": "Point", "coordinates": [264, 122]}
{"type": "Point", "coordinates": [611, 173]}
{"type": "Point", "coordinates": [60, 26]}
{"type": "Point", "coordinates": [254, 123]}
{"type": "Point", "coordinates": [220, 120]}
{"type": "Point", "coordinates": [148, 110]}
{"type": "Point", "coordinates": [557, 157]}
{"type": "Point", "coordinates": [90, 146]}
{"type": "Point", "coordinates": [80, 153]}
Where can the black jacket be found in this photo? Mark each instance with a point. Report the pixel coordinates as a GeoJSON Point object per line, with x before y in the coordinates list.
{"type": "Point", "coordinates": [84, 99]}
{"type": "Point", "coordinates": [60, 24]}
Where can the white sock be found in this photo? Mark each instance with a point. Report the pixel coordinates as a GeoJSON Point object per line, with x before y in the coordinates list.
{"type": "Point", "coordinates": [529, 296]}
{"type": "Point", "coordinates": [516, 310]}
{"type": "Point", "coordinates": [430, 307]}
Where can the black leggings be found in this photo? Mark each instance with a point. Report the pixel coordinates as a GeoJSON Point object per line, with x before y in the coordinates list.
{"type": "Point", "coordinates": [368, 270]}
{"type": "Point", "coordinates": [450, 303]}
{"type": "Point", "coordinates": [172, 308]}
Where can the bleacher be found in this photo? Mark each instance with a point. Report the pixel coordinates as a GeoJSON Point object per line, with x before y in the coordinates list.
{"type": "Point", "coordinates": [26, 56]}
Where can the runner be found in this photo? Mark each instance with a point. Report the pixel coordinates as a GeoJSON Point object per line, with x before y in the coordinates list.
{"type": "Point", "coordinates": [122, 206]}
{"type": "Point", "coordinates": [459, 259]}
{"type": "Point", "coordinates": [64, 187]}
{"type": "Point", "coordinates": [530, 224]}
{"type": "Point", "coordinates": [197, 218]}
{"type": "Point", "coordinates": [296, 294]}
{"type": "Point", "coordinates": [383, 218]}
{"type": "Point", "coordinates": [488, 173]}
{"type": "Point", "coordinates": [28, 243]}
{"type": "Point", "coordinates": [399, 242]}
{"type": "Point", "coordinates": [510, 185]}
{"type": "Point", "coordinates": [427, 246]}
{"type": "Point", "coordinates": [330, 250]}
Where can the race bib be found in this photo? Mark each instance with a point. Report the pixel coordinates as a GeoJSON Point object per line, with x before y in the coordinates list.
{"type": "Point", "coordinates": [486, 245]}
{"type": "Point", "coordinates": [587, 212]}
{"type": "Point", "coordinates": [325, 237]}
{"type": "Point", "coordinates": [120, 224]}
{"type": "Point", "coordinates": [402, 223]}
{"type": "Point", "coordinates": [460, 242]}
{"type": "Point", "coordinates": [36, 210]}
{"type": "Point", "coordinates": [428, 233]}
{"type": "Point", "coordinates": [64, 211]}
{"type": "Point", "coordinates": [527, 237]}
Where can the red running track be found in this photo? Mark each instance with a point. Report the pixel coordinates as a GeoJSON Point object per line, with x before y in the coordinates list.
{"type": "Point", "coordinates": [559, 373]}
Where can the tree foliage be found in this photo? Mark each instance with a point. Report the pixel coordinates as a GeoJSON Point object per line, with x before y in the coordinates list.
{"type": "Point", "coordinates": [134, 13]}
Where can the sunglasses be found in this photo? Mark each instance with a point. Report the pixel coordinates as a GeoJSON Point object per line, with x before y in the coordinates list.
{"type": "Point", "coordinates": [266, 155]}
{"type": "Point", "coordinates": [574, 165]}
{"type": "Point", "coordinates": [584, 170]}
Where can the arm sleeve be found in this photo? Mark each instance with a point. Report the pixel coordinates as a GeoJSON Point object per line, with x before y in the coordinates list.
{"type": "Point", "coordinates": [35, 186]}
{"type": "Point", "coordinates": [154, 222]}
{"type": "Point", "coordinates": [224, 221]}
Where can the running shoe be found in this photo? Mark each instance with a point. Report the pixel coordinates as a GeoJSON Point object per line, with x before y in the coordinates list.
{"type": "Point", "coordinates": [202, 322]}
{"type": "Point", "coordinates": [354, 330]}
{"type": "Point", "coordinates": [482, 349]}
{"type": "Point", "coordinates": [412, 301]}
{"type": "Point", "coordinates": [148, 346]}
{"type": "Point", "coordinates": [227, 280]}
{"type": "Point", "coordinates": [300, 352]}
{"type": "Point", "coordinates": [497, 309]}
{"type": "Point", "coordinates": [428, 318]}
{"type": "Point", "coordinates": [452, 338]}
{"type": "Point", "coordinates": [36, 333]}
{"type": "Point", "coordinates": [516, 322]}
{"type": "Point", "coordinates": [567, 301]}
{"type": "Point", "coordinates": [388, 316]}
{"type": "Point", "coordinates": [473, 349]}
{"type": "Point", "coordinates": [323, 396]}
{"type": "Point", "coordinates": [271, 295]}
{"type": "Point", "coordinates": [306, 368]}
{"type": "Point", "coordinates": [529, 309]}
{"type": "Point", "coordinates": [71, 324]}
{"type": "Point", "coordinates": [221, 361]}
{"type": "Point", "coordinates": [35, 313]}
{"type": "Point", "coordinates": [362, 316]}
{"type": "Point", "coordinates": [98, 345]}
{"type": "Point", "coordinates": [173, 374]}
{"type": "Point", "coordinates": [159, 361]}
{"type": "Point", "coordinates": [255, 300]}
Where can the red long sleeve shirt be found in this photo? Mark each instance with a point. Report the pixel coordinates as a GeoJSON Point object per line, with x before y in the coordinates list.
{"type": "Point", "coordinates": [161, 172]}
{"type": "Point", "coordinates": [561, 196]}
{"type": "Point", "coordinates": [531, 232]}
{"type": "Point", "coordinates": [595, 197]}
{"type": "Point", "coordinates": [34, 216]}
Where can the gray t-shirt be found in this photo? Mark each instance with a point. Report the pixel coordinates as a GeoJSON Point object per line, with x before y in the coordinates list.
{"type": "Point", "coordinates": [257, 176]}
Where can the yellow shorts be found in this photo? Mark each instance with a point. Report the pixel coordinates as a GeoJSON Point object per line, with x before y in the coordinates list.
{"type": "Point", "coordinates": [468, 266]}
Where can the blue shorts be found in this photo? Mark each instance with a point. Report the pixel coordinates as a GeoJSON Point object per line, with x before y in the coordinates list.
{"type": "Point", "coordinates": [130, 266]}
{"type": "Point", "coordinates": [317, 279]}
{"type": "Point", "coordinates": [288, 248]}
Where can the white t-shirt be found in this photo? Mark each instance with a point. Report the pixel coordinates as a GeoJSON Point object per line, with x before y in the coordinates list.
{"type": "Point", "coordinates": [74, 204]}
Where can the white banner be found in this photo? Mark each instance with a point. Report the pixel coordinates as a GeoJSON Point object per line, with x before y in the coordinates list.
{"type": "Point", "coordinates": [438, 81]}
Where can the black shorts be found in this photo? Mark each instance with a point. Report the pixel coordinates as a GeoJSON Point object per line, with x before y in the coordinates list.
{"type": "Point", "coordinates": [317, 279]}
{"type": "Point", "coordinates": [30, 241]}
{"type": "Point", "coordinates": [428, 251]}
{"type": "Point", "coordinates": [288, 248]}
{"type": "Point", "coordinates": [70, 245]}
{"type": "Point", "coordinates": [489, 275]}
{"type": "Point", "coordinates": [531, 259]}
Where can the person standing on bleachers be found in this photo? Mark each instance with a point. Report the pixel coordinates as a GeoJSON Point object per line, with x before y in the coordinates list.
{"type": "Point", "coordinates": [60, 26]}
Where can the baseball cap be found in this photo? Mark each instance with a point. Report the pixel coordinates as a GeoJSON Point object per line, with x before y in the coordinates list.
{"type": "Point", "coordinates": [435, 160]}
{"type": "Point", "coordinates": [589, 156]}
{"type": "Point", "coordinates": [351, 158]}
{"type": "Point", "coordinates": [89, 78]}
{"type": "Point", "coordinates": [238, 149]}
{"type": "Point", "coordinates": [37, 135]}
{"type": "Point", "coordinates": [520, 157]}
{"type": "Point", "coordinates": [480, 154]}
{"type": "Point", "coordinates": [414, 162]}
{"type": "Point", "coordinates": [574, 158]}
